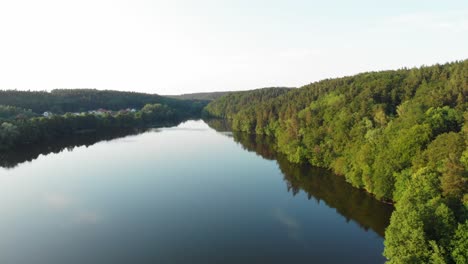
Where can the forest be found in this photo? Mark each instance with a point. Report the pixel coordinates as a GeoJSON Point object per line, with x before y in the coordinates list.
{"type": "Point", "coordinates": [61, 101]}
{"type": "Point", "coordinates": [400, 135]}
{"type": "Point", "coordinates": [22, 121]}
{"type": "Point", "coordinates": [208, 96]}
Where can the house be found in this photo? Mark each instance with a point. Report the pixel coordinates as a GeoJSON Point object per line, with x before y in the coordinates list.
{"type": "Point", "coordinates": [47, 114]}
{"type": "Point", "coordinates": [100, 111]}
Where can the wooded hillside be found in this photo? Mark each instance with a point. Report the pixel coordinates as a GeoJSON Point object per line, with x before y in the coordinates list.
{"type": "Point", "coordinates": [401, 135]}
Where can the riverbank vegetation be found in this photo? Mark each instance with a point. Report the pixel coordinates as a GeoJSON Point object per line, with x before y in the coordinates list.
{"type": "Point", "coordinates": [61, 101]}
{"type": "Point", "coordinates": [21, 126]}
{"type": "Point", "coordinates": [401, 135]}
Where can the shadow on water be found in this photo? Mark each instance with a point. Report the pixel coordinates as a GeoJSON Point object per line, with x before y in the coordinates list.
{"type": "Point", "coordinates": [319, 184]}
{"type": "Point", "coordinates": [12, 158]}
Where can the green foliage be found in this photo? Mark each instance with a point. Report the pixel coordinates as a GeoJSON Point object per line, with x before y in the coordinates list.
{"type": "Point", "coordinates": [14, 113]}
{"type": "Point", "coordinates": [231, 103]}
{"type": "Point", "coordinates": [408, 243]}
{"type": "Point", "coordinates": [61, 101]}
{"type": "Point", "coordinates": [210, 96]}
{"type": "Point", "coordinates": [8, 133]}
{"type": "Point", "coordinates": [39, 129]}
{"type": "Point", "coordinates": [401, 135]}
{"type": "Point", "coordinates": [444, 119]}
{"type": "Point", "coordinates": [460, 244]}
{"type": "Point", "coordinates": [19, 126]}
{"type": "Point", "coordinates": [421, 228]}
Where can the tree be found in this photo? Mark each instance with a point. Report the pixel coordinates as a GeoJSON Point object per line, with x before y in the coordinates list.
{"type": "Point", "coordinates": [460, 244]}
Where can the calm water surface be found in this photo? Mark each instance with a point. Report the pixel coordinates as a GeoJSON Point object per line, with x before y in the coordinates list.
{"type": "Point", "coordinates": [187, 194]}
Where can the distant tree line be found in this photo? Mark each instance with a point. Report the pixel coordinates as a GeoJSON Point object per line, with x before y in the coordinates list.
{"type": "Point", "coordinates": [37, 129]}
{"type": "Point", "coordinates": [63, 101]}
{"type": "Point", "coordinates": [12, 112]}
{"type": "Point", "coordinates": [22, 121]}
{"type": "Point", "coordinates": [401, 135]}
{"type": "Point", "coordinates": [208, 96]}
{"type": "Point", "coordinates": [231, 104]}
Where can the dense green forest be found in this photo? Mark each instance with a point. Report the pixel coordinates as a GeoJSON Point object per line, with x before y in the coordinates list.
{"type": "Point", "coordinates": [229, 105]}
{"type": "Point", "coordinates": [25, 131]}
{"type": "Point", "coordinates": [210, 96]}
{"type": "Point", "coordinates": [401, 135]}
{"type": "Point", "coordinates": [80, 100]}
{"type": "Point", "coordinates": [68, 112]}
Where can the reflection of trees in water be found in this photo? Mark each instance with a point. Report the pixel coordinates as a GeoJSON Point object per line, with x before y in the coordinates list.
{"type": "Point", "coordinates": [322, 185]}
{"type": "Point", "coordinates": [220, 125]}
{"type": "Point", "coordinates": [12, 158]}
{"type": "Point", "coordinates": [23, 154]}
{"type": "Point", "coordinates": [352, 203]}
{"type": "Point", "coordinates": [319, 184]}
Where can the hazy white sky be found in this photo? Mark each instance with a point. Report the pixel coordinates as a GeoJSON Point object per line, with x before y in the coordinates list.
{"type": "Point", "coordinates": [181, 46]}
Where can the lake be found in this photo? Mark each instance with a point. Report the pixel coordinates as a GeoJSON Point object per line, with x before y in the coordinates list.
{"type": "Point", "coordinates": [193, 193]}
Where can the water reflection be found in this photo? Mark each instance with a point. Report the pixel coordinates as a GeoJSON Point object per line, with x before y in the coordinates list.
{"type": "Point", "coordinates": [320, 184]}
{"type": "Point", "coordinates": [72, 209]}
{"type": "Point", "coordinates": [182, 195]}
{"type": "Point", "coordinates": [12, 158]}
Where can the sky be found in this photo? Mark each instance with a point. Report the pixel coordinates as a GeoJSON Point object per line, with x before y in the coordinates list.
{"type": "Point", "coordinates": [186, 46]}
